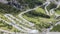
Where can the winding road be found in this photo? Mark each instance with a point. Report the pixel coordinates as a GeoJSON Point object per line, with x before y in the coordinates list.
{"type": "Point", "coordinates": [10, 17]}
{"type": "Point", "coordinates": [47, 3]}
{"type": "Point", "coordinates": [13, 23]}
{"type": "Point", "coordinates": [6, 31]}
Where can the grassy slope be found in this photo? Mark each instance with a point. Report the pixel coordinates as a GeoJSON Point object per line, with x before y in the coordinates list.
{"type": "Point", "coordinates": [58, 12]}
{"type": "Point", "coordinates": [56, 28]}
{"type": "Point", "coordinates": [6, 9]}
{"type": "Point", "coordinates": [39, 17]}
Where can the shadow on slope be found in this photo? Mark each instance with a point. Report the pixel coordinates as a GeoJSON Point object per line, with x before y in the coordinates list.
{"type": "Point", "coordinates": [4, 8]}
{"type": "Point", "coordinates": [36, 14]}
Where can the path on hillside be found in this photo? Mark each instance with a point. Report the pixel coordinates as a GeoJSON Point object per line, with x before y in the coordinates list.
{"type": "Point", "coordinates": [13, 23]}
{"type": "Point", "coordinates": [47, 3]}
{"type": "Point", "coordinates": [52, 11]}
{"type": "Point", "coordinates": [11, 18]}
{"type": "Point", "coordinates": [6, 31]}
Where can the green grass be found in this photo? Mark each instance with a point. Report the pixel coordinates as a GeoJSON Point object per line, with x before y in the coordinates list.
{"type": "Point", "coordinates": [58, 12]}
{"type": "Point", "coordinates": [8, 27]}
{"type": "Point", "coordinates": [39, 17]}
{"type": "Point", "coordinates": [56, 28]}
{"type": "Point", "coordinates": [40, 10]}
{"type": "Point", "coordinates": [6, 9]}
